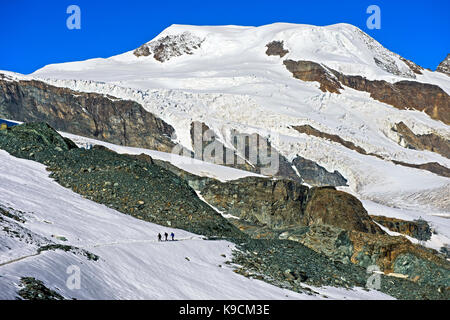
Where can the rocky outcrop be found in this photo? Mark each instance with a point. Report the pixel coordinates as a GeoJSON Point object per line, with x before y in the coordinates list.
{"type": "Point", "coordinates": [251, 152]}
{"type": "Point", "coordinates": [316, 175]}
{"type": "Point", "coordinates": [276, 48]}
{"type": "Point", "coordinates": [330, 241]}
{"type": "Point", "coordinates": [337, 208]}
{"type": "Point", "coordinates": [260, 153]}
{"type": "Point", "coordinates": [418, 229]}
{"type": "Point", "coordinates": [312, 71]}
{"type": "Point", "coordinates": [170, 46]}
{"type": "Point", "coordinates": [275, 203]}
{"type": "Point", "coordinates": [433, 167]}
{"type": "Point", "coordinates": [307, 129]}
{"type": "Point", "coordinates": [385, 251]}
{"type": "Point", "coordinates": [34, 289]}
{"type": "Point", "coordinates": [402, 95]}
{"type": "Point", "coordinates": [290, 265]}
{"type": "Point", "coordinates": [91, 115]}
{"type": "Point", "coordinates": [444, 66]}
{"type": "Point", "coordinates": [430, 141]}
{"type": "Point", "coordinates": [254, 153]}
{"type": "Point", "coordinates": [207, 147]}
{"type": "Point", "coordinates": [282, 204]}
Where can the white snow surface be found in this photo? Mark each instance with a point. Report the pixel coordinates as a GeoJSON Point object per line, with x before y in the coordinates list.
{"type": "Point", "coordinates": [132, 264]}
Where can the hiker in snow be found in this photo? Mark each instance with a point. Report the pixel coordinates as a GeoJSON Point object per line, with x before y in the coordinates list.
{"type": "Point", "coordinates": [166, 235]}
{"type": "Point", "coordinates": [159, 236]}
{"type": "Point", "coordinates": [173, 236]}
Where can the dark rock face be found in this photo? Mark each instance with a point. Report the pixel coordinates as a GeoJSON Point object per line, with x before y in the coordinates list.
{"type": "Point", "coordinates": [276, 48]}
{"type": "Point", "coordinates": [430, 141]}
{"type": "Point", "coordinates": [251, 152]}
{"type": "Point", "coordinates": [281, 204]}
{"type": "Point", "coordinates": [275, 203]}
{"type": "Point", "coordinates": [316, 175]}
{"type": "Point", "coordinates": [418, 229]}
{"type": "Point", "coordinates": [208, 148]}
{"type": "Point", "coordinates": [91, 115]}
{"type": "Point", "coordinates": [266, 160]}
{"type": "Point", "coordinates": [401, 95]}
{"type": "Point", "coordinates": [312, 71]}
{"type": "Point", "coordinates": [444, 66]}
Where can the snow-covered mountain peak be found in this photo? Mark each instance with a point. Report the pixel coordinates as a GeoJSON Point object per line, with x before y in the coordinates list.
{"type": "Point", "coordinates": [342, 47]}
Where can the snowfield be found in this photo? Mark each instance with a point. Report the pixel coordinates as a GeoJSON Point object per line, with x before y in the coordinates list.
{"type": "Point", "coordinates": [132, 264]}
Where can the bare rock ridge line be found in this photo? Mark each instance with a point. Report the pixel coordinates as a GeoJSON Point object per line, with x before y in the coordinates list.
{"type": "Point", "coordinates": [93, 115]}
{"type": "Point", "coordinates": [429, 166]}
{"type": "Point", "coordinates": [444, 66]}
{"type": "Point", "coordinates": [413, 66]}
{"type": "Point", "coordinates": [430, 142]}
{"type": "Point", "coordinates": [169, 46]}
{"type": "Point", "coordinates": [309, 130]}
{"type": "Point", "coordinates": [402, 95]}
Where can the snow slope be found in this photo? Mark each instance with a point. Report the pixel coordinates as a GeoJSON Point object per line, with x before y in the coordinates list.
{"type": "Point", "coordinates": [132, 264]}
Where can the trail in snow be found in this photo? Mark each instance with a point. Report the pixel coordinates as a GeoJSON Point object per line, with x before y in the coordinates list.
{"type": "Point", "coordinates": [20, 259]}
{"type": "Point", "coordinates": [103, 245]}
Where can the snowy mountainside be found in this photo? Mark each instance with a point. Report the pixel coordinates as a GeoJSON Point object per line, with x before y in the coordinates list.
{"type": "Point", "coordinates": [229, 82]}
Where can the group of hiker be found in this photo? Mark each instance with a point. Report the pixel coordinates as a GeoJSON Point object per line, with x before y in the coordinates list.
{"type": "Point", "coordinates": [172, 235]}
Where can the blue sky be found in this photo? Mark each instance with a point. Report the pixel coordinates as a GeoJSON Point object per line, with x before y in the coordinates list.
{"type": "Point", "coordinates": [34, 33]}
